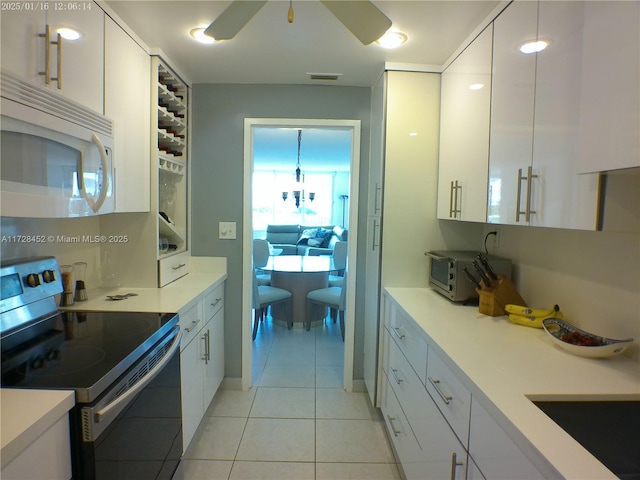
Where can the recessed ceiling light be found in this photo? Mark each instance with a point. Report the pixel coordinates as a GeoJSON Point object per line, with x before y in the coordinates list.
{"type": "Point", "coordinates": [198, 34]}
{"type": "Point", "coordinates": [68, 33]}
{"type": "Point", "coordinates": [392, 39]}
{"type": "Point", "coordinates": [476, 86]}
{"type": "Point", "coordinates": [534, 47]}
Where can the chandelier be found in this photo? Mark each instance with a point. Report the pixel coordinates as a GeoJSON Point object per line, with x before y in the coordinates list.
{"type": "Point", "coordinates": [298, 185]}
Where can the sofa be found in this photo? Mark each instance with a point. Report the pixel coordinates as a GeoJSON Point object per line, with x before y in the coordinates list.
{"type": "Point", "coordinates": [305, 239]}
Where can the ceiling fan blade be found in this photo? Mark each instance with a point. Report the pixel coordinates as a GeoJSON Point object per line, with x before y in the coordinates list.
{"type": "Point", "coordinates": [231, 21]}
{"type": "Point", "coordinates": [362, 18]}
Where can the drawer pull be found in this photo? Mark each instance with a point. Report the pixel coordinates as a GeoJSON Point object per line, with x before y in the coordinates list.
{"type": "Point", "coordinates": [178, 267]}
{"type": "Point", "coordinates": [193, 324]}
{"type": "Point", "coordinates": [395, 431]}
{"type": "Point", "coordinates": [395, 376]}
{"type": "Point", "coordinates": [216, 302]}
{"type": "Point", "coordinates": [436, 383]}
{"type": "Point", "coordinates": [396, 330]}
{"type": "Point", "coordinates": [454, 464]}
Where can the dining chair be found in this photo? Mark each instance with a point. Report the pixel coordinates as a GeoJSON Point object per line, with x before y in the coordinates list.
{"type": "Point", "coordinates": [261, 252]}
{"type": "Point", "coordinates": [332, 297]}
{"type": "Point", "coordinates": [265, 296]}
{"type": "Point", "coordinates": [340, 262]}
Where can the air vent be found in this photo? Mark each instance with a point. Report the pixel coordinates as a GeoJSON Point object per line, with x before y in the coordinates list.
{"type": "Point", "coordinates": [324, 76]}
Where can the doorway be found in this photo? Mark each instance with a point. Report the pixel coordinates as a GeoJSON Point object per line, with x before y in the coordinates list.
{"type": "Point", "coordinates": [251, 126]}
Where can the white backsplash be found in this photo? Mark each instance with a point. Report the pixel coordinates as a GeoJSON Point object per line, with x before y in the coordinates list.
{"type": "Point", "coordinates": [593, 276]}
{"type": "Point", "coordinates": [65, 238]}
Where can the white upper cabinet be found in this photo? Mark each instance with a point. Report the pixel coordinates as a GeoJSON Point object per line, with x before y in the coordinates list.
{"type": "Point", "coordinates": [464, 133]}
{"type": "Point", "coordinates": [128, 103]}
{"type": "Point", "coordinates": [544, 190]}
{"type": "Point", "coordinates": [610, 93]}
{"type": "Point", "coordinates": [513, 86]}
{"type": "Point", "coordinates": [72, 67]}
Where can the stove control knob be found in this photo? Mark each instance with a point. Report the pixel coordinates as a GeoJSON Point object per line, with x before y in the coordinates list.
{"type": "Point", "coordinates": [32, 280]}
{"type": "Point", "coordinates": [48, 276]}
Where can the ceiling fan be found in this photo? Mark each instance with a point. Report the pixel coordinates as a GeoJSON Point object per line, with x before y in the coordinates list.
{"type": "Point", "coordinates": [361, 17]}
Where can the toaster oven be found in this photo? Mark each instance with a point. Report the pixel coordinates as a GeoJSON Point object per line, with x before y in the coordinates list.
{"type": "Point", "coordinates": [447, 272]}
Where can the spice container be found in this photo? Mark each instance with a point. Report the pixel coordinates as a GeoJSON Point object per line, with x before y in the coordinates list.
{"type": "Point", "coordinates": [66, 272]}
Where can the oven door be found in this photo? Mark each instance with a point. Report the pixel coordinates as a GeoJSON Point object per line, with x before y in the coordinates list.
{"type": "Point", "coordinates": [134, 430]}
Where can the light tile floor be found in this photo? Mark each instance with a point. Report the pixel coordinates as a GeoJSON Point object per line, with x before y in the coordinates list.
{"type": "Point", "coordinates": [296, 422]}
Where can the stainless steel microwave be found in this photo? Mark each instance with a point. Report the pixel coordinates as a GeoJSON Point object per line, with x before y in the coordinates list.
{"type": "Point", "coordinates": [57, 155]}
{"type": "Point", "coordinates": [447, 274]}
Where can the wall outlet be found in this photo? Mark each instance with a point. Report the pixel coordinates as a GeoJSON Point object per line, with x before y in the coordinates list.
{"type": "Point", "coordinates": [227, 230]}
{"type": "Point", "coordinates": [495, 240]}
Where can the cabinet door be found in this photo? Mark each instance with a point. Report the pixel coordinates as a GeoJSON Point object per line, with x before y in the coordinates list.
{"type": "Point", "coordinates": [23, 51]}
{"type": "Point", "coordinates": [559, 196]}
{"type": "Point", "coordinates": [464, 133]}
{"type": "Point", "coordinates": [610, 94]}
{"type": "Point", "coordinates": [495, 454]}
{"type": "Point", "coordinates": [82, 60]}
{"type": "Point", "coordinates": [127, 84]}
{"type": "Point", "coordinates": [213, 356]}
{"type": "Point", "coordinates": [512, 100]}
{"type": "Point", "coordinates": [191, 371]}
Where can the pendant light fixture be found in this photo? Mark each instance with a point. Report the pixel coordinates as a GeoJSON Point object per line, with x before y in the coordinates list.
{"type": "Point", "coordinates": [298, 185]}
{"type": "Point", "coordinates": [290, 12]}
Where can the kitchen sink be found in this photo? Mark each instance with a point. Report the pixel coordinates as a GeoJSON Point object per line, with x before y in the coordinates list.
{"type": "Point", "coordinates": [610, 430]}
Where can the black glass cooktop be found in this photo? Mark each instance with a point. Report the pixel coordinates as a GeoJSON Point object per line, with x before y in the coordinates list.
{"type": "Point", "coordinates": [84, 351]}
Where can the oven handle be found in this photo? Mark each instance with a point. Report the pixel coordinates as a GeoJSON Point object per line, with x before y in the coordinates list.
{"type": "Point", "coordinates": [143, 383]}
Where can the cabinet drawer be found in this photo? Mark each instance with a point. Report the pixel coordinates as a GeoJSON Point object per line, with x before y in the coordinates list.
{"type": "Point", "coordinates": [190, 323]}
{"type": "Point", "coordinates": [173, 267]}
{"type": "Point", "coordinates": [404, 441]}
{"type": "Point", "coordinates": [410, 342]}
{"type": "Point", "coordinates": [450, 395]}
{"type": "Point", "coordinates": [213, 301]}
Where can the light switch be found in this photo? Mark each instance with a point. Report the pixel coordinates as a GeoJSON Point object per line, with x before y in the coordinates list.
{"type": "Point", "coordinates": [227, 230]}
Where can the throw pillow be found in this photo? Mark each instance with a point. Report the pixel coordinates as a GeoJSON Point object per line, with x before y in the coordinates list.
{"type": "Point", "coordinates": [315, 242]}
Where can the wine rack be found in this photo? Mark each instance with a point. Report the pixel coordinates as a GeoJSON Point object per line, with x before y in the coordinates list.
{"type": "Point", "coordinates": [171, 117]}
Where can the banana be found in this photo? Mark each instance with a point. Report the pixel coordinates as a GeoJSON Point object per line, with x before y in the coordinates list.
{"type": "Point", "coordinates": [535, 322]}
{"type": "Point", "coordinates": [531, 312]}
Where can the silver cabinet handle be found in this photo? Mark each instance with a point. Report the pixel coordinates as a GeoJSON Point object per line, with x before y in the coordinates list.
{"type": "Point", "coordinates": [527, 211]}
{"type": "Point", "coordinates": [394, 373]}
{"type": "Point", "coordinates": [530, 177]}
{"type": "Point", "coordinates": [205, 355]}
{"type": "Point", "coordinates": [208, 346]}
{"type": "Point", "coordinates": [451, 207]}
{"type": "Point", "coordinates": [216, 302]}
{"type": "Point", "coordinates": [192, 326]}
{"type": "Point", "coordinates": [58, 43]}
{"type": "Point", "coordinates": [454, 464]}
{"type": "Point", "coordinates": [436, 385]}
{"type": "Point", "coordinates": [395, 431]}
{"type": "Point", "coordinates": [396, 330]}
{"type": "Point", "coordinates": [47, 45]}
{"type": "Point", "coordinates": [376, 225]}
{"type": "Point", "coordinates": [177, 267]}
{"type": "Point", "coordinates": [377, 206]}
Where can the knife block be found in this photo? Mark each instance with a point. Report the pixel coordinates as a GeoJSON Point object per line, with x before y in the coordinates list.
{"type": "Point", "coordinates": [493, 299]}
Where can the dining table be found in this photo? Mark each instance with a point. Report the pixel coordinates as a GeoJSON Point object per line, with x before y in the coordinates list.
{"type": "Point", "coordinates": [299, 274]}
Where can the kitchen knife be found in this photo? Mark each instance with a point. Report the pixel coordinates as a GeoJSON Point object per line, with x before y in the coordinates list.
{"type": "Point", "coordinates": [472, 279]}
{"type": "Point", "coordinates": [483, 275]}
{"type": "Point", "coordinates": [487, 267]}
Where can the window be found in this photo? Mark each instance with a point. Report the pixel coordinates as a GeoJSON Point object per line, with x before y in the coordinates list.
{"type": "Point", "coordinates": [269, 208]}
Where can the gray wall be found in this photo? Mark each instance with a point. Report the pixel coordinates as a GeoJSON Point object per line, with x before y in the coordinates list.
{"type": "Point", "coordinates": [217, 163]}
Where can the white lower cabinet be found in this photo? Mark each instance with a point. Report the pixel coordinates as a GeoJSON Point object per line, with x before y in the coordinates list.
{"type": "Point", "coordinates": [496, 455]}
{"type": "Point", "coordinates": [438, 429]}
{"type": "Point", "coordinates": [201, 358]}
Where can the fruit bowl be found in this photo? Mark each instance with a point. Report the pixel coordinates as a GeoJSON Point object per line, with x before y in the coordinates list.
{"type": "Point", "coordinates": [581, 343]}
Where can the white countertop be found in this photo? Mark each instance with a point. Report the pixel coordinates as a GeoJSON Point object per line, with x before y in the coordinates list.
{"type": "Point", "coordinates": [27, 414]}
{"type": "Point", "coordinates": [168, 299]}
{"type": "Point", "coordinates": [510, 364]}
